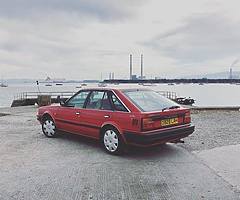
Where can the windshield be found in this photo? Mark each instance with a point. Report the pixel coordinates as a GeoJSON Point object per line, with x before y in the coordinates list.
{"type": "Point", "coordinates": [147, 100]}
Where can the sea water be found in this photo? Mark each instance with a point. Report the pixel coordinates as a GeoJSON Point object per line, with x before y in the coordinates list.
{"type": "Point", "coordinates": [205, 95]}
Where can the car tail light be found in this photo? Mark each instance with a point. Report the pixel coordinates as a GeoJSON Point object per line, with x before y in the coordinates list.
{"type": "Point", "coordinates": [149, 124]}
{"type": "Point", "coordinates": [187, 117]}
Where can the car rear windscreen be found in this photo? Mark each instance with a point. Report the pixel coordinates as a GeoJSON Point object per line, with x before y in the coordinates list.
{"type": "Point", "coordinates": [147, 100]}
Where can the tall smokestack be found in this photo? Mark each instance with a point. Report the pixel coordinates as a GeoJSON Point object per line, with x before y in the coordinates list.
{"type": "Point", "coordinates": [231, 74]}
{"type": "Point", "coordinates": [130, 67]}
{"type": "Point", "coordinates": [141, 66]}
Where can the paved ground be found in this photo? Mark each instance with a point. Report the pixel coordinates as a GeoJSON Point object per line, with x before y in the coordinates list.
{"type": "Point", "coordinates": [213, 129]}
{"type": "Point", "coordinates": [225, 161]}
{"type": "Point", "coordinates": [71, 167]}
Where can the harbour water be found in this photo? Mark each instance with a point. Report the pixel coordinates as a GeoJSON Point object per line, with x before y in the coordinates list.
{"type": "Point", "coordinates": [205, 95]}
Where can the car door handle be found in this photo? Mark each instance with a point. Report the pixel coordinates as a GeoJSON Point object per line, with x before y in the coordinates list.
{"type": "Point", "coordinates": [106, 116]}
{"type": "Point", "coordinates": [77, 113]}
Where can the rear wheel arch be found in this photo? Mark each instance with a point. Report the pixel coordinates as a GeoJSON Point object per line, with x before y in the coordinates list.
{"type": "Point", "coordinates": [108, 125]}
{"type": "Point", "coordinates": [111, 126]}
{"type": "Point", "coordinates": [106, 145]}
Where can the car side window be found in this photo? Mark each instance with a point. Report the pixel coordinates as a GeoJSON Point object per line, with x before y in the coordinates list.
{"type": "Point", "coordinates": [106, 103]}
{"type": "Point", "coordinates": [95, 100]}
{"type": "Point", "coordinates": [118, 106]}
{"type": "Point", "coordinates": [78, 100]}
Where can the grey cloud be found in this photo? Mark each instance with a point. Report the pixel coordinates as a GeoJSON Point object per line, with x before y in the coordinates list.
{"type": "Point", "coordinates": [37, 50]}
{"type": "Point", "coordinates": [101, 9]}
{"type": "Point", "coordinates": [201, 38]}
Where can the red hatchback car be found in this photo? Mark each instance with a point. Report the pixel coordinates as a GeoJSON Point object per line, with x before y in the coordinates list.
{"type": "Point", "coordinates": [118, 117]}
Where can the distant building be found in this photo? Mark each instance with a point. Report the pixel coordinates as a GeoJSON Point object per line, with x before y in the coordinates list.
{"type": "Point", "coordinates": [142, 77]}
{"type": "Point", "coordinates": [134, 77]}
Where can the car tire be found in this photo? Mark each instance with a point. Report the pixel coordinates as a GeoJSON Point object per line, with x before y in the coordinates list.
{"type": "Point", "coordinates": [112, 141]}
{"type": "Point", "coordinates": [49, 128]}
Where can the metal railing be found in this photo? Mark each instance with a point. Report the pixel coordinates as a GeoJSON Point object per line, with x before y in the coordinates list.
{"type": "Point", "coordinates": [169, 95]}
{"type": "Point", "coordinates": [34, 95]}
{"type": "Point", "coordinates": [68, 94]}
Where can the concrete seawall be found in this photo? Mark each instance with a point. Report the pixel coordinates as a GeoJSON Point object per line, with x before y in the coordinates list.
{"type": "Point", "coordinates": [217, 108]}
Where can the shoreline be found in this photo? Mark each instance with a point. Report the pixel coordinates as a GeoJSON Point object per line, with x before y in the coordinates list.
{"type": "Point", "coordinates": [215, 108]}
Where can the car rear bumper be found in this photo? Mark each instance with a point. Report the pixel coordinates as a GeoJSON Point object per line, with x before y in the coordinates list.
{"type": "Point", "coordinates": [158, 137]}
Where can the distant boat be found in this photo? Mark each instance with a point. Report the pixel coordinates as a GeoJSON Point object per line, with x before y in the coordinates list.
{"type": "Point", "coordinates": [185, 101]}
{"type": "Point", "coordinates": [83, 84]}
{"type": "Point", "coordinates": [48, 85]}
{"type": "Point", "coordinates": [59, 84]}
{"type": "Point", "coordinates": [79, 86]}
{"type": "Point", "coordinates": [171, 84]}
{"type": "Point", "coordinates": [3, 85]}
{"type": "Point", "coordinates": [102, 85]}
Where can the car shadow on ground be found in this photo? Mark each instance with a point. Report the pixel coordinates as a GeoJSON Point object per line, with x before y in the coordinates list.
{"type": "Point", "coordinates": [163, 150]}
{"type": "Point", "coordinates": [74, 138]}
{"type": "Point", "coordinates": [131, 152]}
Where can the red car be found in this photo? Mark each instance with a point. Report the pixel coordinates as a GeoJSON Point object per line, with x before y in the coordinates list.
{"type": "Point", "coordinates": [118, 117]}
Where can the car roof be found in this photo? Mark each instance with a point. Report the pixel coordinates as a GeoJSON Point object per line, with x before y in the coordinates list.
{"type": "Point", "coordinates": [115, 88]}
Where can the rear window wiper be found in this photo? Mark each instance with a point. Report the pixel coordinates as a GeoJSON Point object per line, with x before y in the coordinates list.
{"type": "Point", "coordinates": [172, 107]}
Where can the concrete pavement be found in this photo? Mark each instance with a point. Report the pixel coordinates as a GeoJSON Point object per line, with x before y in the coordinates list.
{"type": "Point", "coordinates": [72, 167]}
{"type": "Point", "coordinates": [225, 161]}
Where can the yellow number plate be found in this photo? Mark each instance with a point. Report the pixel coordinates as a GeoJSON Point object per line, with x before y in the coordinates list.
{"type": "Point", "coordinates": [168, 122]}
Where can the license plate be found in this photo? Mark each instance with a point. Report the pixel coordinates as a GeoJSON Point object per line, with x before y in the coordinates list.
{"type": "Point", "coordinates": [168, 122]}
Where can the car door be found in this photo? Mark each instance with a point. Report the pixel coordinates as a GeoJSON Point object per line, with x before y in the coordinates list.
{"type": "Point", "coordinates": [98, 110]}
{"type": "Point", "coordinates": [121, 115]}
{"type": "Point", "coordinates": [68, 116]}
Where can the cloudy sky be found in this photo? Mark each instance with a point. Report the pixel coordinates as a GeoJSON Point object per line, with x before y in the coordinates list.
{"type": "Point", "coordinates": [82, 39]}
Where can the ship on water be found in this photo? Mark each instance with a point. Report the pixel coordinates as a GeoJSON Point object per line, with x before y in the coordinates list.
{"type": "Point", "coordinates": [3, 85]}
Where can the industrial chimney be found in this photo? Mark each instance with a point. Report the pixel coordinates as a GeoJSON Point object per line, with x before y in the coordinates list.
{"type": "Point", "coordinates": [141, 66]}
{"type": "Point", "coordinates": [230, 74]}
{"type": "Point", "coordinates": [130, 67]}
